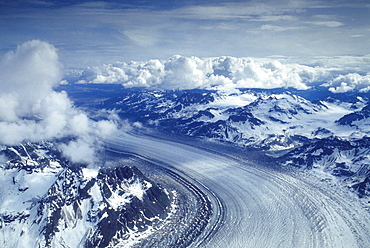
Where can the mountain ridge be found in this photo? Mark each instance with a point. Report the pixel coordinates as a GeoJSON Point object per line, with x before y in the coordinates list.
{"type": "Point", "coordinates": [282, 124]}
{"type": "Point", "coordinates": [46, 200]}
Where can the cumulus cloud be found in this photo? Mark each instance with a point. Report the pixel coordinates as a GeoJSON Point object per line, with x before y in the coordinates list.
{"type": "Point", "coordinates": [179, 72]}
{"type": "Point", "coordinates": [349, 82]}
{"type": "Point", "coordinates": [183, 72]}
{"type": "Point", "coordinates": [228, 74]}
{"type": "Point", "coordinates": [30, 110]}
{"type": "Point", "coordinates": [79, 151]}
{"type": "Point", "coordinates": [28, 75]}
{"type": "Point", "coordinates": [249, 73]}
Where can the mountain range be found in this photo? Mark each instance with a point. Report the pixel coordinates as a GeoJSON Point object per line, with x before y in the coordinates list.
{"type": "Point", "coordinates": [50, 201]}
{"type": "Point", "coordinates": [313, 129]}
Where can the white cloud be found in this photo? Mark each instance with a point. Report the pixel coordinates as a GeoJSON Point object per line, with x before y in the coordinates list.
{"type": "Point", "coordinates": [339, 64]}
{"type": "Point", "coordinates": [229, 73]}
{"type": "Point", "coordinates": [180, 72]}
{"type": "Point", "coordinates": [30, 110]}
{"type": "Point", "coordinates": [143, 38]}
{"type": "Point", "coordinates": [79, 151]}
{"type": "Point", "coordinates": [186, 73]}
{"type": "Point", "coordinates": [133, 74]}
{"type": "Point", "coordinates": [80, 124]}
{"type": "Point", "coordinates": [248, 73]}
{"type": "Point", "coordinates": [349, 82]}
{"type": "Point", "coordinates": [104, 128]}
{"type": "Point", "coordinates": [251, 10]}
{"type": "Point", "coordinates": [28, 74]}
{"type": "Point", "coordinates": [330, 24]}
{"type": "Point", "coordinates": [273, 18]}
{"type": "Point", "coordinates": [8, 106]}
{"type": "Point", "coordinates": [275, 28]}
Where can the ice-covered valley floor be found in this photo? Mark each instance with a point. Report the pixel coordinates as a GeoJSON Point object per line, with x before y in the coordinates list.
{"type": "Point", "coordinates": [255, 206]}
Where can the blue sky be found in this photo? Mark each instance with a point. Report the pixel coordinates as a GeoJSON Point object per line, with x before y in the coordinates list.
{"type": "Point", "coordinates": [95, 32]}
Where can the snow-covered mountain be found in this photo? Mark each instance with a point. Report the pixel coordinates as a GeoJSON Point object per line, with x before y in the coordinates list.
{"type": "Point", "coordinates": [334, 158]}
{"type": "Point", "coordinates": [47, 202]}
{"type": "Point", "coordinates": [314, 130]}
{"type": "Point", "coordinates": [262, 119]}
{"type": "Point", "coordinates": [359, 119]}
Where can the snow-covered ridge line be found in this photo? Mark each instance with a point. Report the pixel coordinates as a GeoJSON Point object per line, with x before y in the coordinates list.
{"type": "Point", "coordinates": [220, 73]}
{"type": "Point", "coordinates": [272, 121]}
{"type": "Point", "coordinates": [342, 162]}
{"type": "Point", "coordinates": [266, 120]}
{"type": "Point", "coordinates": [47, 202]}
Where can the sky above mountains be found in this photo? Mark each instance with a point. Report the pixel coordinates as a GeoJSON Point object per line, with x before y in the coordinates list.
{"type": "Point", "coordinates": [182, 45]}
{"type": "Point", "coordinates": [95, 32]}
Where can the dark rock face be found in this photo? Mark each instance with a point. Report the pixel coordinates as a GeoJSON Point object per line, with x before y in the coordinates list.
{"type": "Point", "coordinates": [363, 187]}
{"type": "Point", "coordinates": [27, 157]}
{"type": "Point", "coordinates": [355, 116]}
{"type": "Point", "coordinates": [136, 214]}
{"type": "Point", "coordinates": [100, 207]}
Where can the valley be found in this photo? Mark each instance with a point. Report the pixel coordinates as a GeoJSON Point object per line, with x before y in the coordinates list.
{"type": "Point", "coordinates": [260, 207]}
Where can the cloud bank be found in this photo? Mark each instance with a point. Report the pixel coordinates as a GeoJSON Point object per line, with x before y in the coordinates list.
{"type": "Point", "coordinates": [224, 73]}
{"type": "Point", "coordinates": [30, 110]}
{"type": "Point", "coordinates": [349, 82]}
{"type": "Point", "coordinates": [179, 72]}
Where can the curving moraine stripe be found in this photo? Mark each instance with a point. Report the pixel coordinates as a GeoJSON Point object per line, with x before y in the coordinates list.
{"type": "Point", "coordinates": [258, 207]}
{"type": "Point", "coordinates": [209, 213]}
